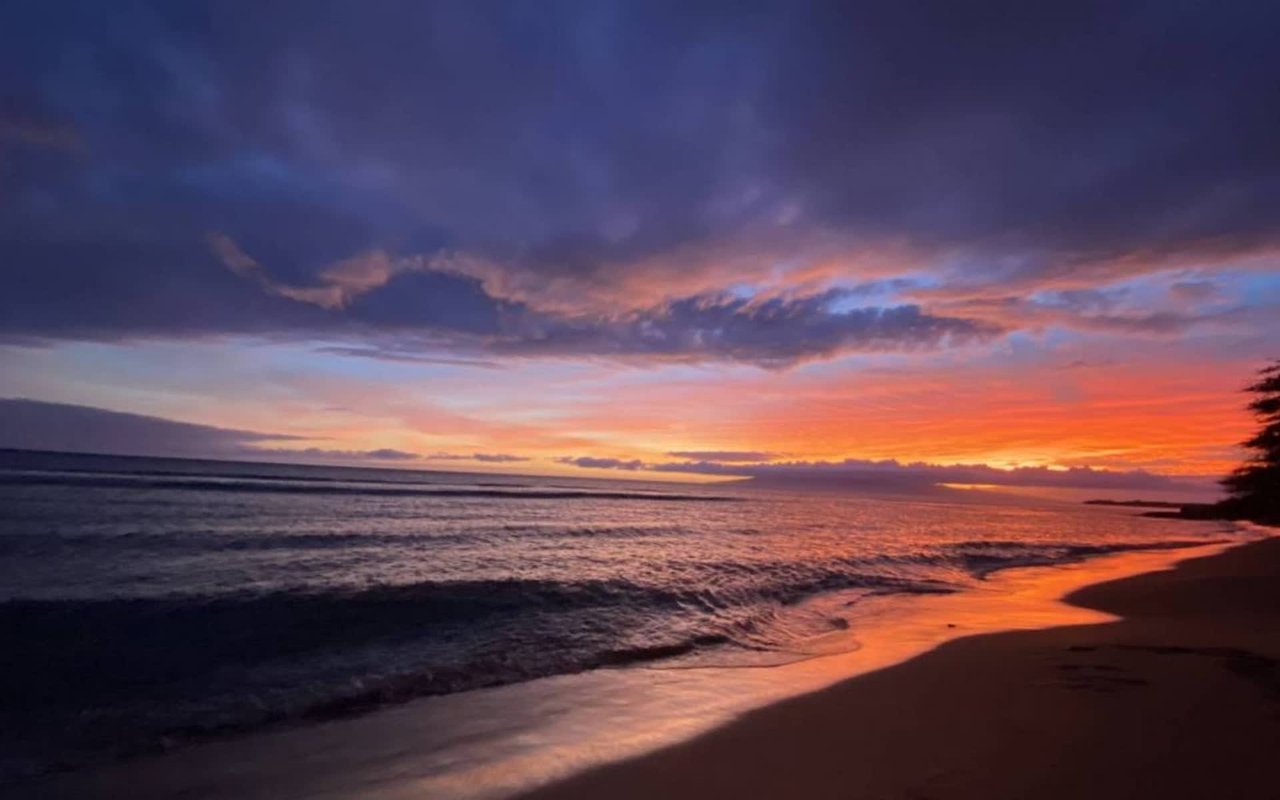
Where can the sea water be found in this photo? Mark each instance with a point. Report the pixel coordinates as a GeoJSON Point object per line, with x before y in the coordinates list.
{"type": "Point", "coordinates": [145, 602]}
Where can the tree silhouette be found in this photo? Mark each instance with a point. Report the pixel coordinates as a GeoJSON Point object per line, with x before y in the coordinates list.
{"type": "Point", "coordinates": [1254, 488]}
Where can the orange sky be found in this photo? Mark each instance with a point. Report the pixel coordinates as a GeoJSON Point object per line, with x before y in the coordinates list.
{"type": "Point", "coordinates": [1047, 409]}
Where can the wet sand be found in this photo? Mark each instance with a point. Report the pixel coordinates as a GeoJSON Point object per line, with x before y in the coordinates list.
{"type": "Point", "coordinates": [1180, 698]}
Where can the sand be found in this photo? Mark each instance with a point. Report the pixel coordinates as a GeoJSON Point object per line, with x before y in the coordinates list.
{"type": "Point", "coordinates": [1178, 699]}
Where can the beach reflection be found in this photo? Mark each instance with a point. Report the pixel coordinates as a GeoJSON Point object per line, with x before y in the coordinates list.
{"type": "Point", "coordinates": [495, 742]}
{"type": "Point", "coordinates": [525, 735]}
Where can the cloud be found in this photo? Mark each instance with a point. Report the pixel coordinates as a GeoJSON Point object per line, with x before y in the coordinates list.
{"type": "Point", "coordinates": [36, 425]}
{"type": "Point", "coordinates": [683, 155]}
{"type": "Point", "coordinates": [724, 456]}
{"type": "Point", "coordinates": [323, 454]}
{"type": "Point", "coordinates": [485, 458]}
{"type": "Point", "coordinates": [398, 354]}
{"type": "Point", "coordinates": [1194, 290]}
{"type": "Point", "coordinates": [890, 474]}
{"type": "Point", "coordinates": [769, 332]}
{"type": "Point", "coordinates": [338, 284]}
{"type": "Point", "coordinates": [590, 462]}
{"type": "Point", "coordinates": [23, 130]}
{"type": "Point", "coordinates": [420, 314]}
{"type": "Point", "coordinates": [1095, 310]}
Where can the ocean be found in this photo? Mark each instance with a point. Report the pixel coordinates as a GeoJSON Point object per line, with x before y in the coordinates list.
{"type": "Point", "coordinates": [147, 602]}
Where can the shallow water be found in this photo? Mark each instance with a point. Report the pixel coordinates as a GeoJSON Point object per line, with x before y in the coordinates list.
{"type": "Point", "coordinates": [145, 601]}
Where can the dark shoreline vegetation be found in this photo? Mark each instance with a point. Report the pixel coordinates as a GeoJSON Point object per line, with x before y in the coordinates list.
{"type": "Point", "coordinates": [1254, 487]}
{"type": "Point", "coordinates": [1227, 510]}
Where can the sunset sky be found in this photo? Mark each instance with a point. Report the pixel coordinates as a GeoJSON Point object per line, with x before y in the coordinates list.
{"type": "Point", "coordinates": [642, 239]}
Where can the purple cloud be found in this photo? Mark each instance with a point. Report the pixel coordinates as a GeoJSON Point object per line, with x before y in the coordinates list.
{"type": "Point", "coordinates": [679, 148]}
{"type": "Point", "coordinates": [320, 453]}
{"type": "Point", "coordinates": [486, 458]}
{"type": "Point", "coordinates": [891, 474]}
{"type": "Point", "coordinates": [589, 462]}
{"type": "Point", "coordinates": [773, 332]}
{"type": "Point", "coordinates": [1194, 291]}
{"type": "Point", "coordinates": [36, 425]}
{"type": "Point", "coordinates": [724, 456]}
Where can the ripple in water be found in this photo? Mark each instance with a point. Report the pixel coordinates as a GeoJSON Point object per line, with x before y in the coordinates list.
{"type": "Point", "coordinates": [147, 600]}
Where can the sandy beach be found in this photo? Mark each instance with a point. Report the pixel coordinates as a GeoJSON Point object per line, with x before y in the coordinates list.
{"type": "Point", "coordinates": [1178, 699]}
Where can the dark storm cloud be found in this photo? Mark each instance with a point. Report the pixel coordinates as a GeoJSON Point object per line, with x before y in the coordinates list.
{"type": "Point", "coordinates": [777, 331]}
{"type": "Point", "coordinates": [579, 142]}
{"type": "Point", "coordinates": [1089, 127]}
{"type": "Point", "coordinates": [20, 128]}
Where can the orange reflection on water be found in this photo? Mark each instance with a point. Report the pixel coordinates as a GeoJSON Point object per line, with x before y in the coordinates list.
{"type": "Point", "coordinates": [577, 721]}
{"type": "Point", "coordinates": [494, 742]}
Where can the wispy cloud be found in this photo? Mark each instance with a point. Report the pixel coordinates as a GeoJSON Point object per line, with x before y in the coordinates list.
{"type": "Point", "coordinates": [398, 354]}
{"type": "Point", "coordinates": [771, 332]}
{"type": "Point", "coordinates": [484, 458]}
{"type": "Point", "coordinates": [591, 462]}
{"type": "Point", "coordinates": [337, 285]}
{"type": "Point", "coordinates": [723, 456]}
{"type": "Point", "coordinates": [309, 453]}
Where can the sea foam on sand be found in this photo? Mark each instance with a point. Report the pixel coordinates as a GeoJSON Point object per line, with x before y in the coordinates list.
{"type": "Point", "coordinates": [500, 741]}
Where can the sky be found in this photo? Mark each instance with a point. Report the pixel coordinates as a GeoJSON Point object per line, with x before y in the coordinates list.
{"type": "Point", "coordinates": [991, 242]}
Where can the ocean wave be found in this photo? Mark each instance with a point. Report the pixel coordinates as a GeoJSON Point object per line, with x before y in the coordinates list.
{"type": "Point", "coordinates": [982, 558]}
{"type": "Point", "coordinates": [308, 487]}
{"type": "Point", "coordinates": [211, 542]}
{"type": "Point", "coordinates": [198, 666]}
{"type": "Point", "coordinates": [117, 675]}
{"type": "Point", "coordinates": [218, 603]}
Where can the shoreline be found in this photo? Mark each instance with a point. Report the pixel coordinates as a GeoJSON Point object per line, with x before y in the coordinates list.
{"type": "Point", "coordinates": [1177, 697]}
{"type": "Point", "coordinates": [495, 743]}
